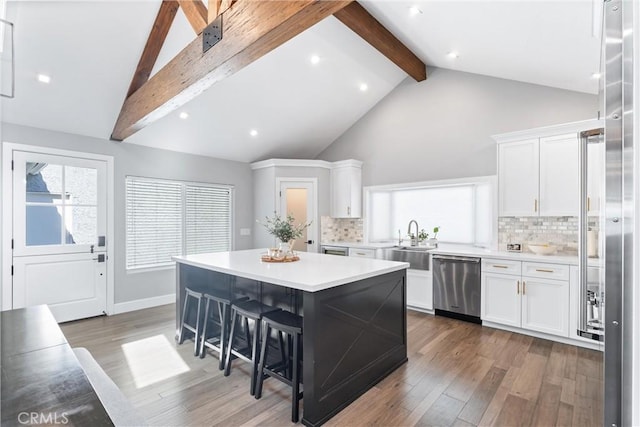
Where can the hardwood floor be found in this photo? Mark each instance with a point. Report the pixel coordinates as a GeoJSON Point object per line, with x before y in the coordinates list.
{"type": "Point", "coordinates": [458, 374]}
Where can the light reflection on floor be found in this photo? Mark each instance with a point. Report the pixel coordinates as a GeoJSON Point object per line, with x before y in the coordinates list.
{"type": "Point", "coordinates": [152, 360]}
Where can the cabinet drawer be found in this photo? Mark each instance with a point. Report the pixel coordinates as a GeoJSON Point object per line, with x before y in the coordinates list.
{"type": "Point", "coordinates": [501, 266]}
{"type": "Point", "coordinates": [545, 271]}
{"type": "Point", "coordinates": [362, 253]}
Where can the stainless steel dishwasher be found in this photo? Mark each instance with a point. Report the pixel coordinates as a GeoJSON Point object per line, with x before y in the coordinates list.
{"type": "Point", "coordinates": [456, 287]}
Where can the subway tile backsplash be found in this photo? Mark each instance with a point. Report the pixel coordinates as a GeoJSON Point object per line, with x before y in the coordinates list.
{"type": "Point", "coordinates": [341, 229]}
{"type": "Point", "coordinates": [559, 231]}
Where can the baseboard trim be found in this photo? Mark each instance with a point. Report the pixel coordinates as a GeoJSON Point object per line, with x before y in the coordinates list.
{"type": "Point", "coordinates": [593, 345]}
{"type": "Point", "coordinates": [139, 304]}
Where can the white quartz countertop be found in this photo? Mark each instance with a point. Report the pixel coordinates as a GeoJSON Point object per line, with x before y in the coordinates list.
{"type": "Point", "coordinates": [314, 272]}
{"type": "Point", "coordinates": [518, 256]}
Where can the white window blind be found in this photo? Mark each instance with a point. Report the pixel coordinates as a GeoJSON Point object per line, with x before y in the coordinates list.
{"type": "Point", "coordinates": [154, 222]}
{"type": "Point", "coordinates": [168, 218]}
{"type": "Point", "coordinates": [207, 219]}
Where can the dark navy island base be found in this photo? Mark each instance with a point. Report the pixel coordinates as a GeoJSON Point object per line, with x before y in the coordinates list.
{"type": "Point", "coordinates": [355, 334]}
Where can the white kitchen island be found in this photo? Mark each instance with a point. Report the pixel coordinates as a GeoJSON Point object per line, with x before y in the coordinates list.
{"type": "Point", "coordinates": [354, 310]}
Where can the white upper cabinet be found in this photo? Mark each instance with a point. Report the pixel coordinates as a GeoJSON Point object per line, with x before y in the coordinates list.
{"type": "Point", "coordinates": [518, 178]}
{"type": "Point", "coordinates": [346, 189]}
{"type": "Point", "coordinates": [559, 176]}
{"type": "Point", "coordinates": [539, 171]}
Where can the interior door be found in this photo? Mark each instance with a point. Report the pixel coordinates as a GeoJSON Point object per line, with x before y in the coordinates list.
{"type": "Point", "coordinates": [59, 234]}
{"type": "Point", "coordinates": [297, 198]}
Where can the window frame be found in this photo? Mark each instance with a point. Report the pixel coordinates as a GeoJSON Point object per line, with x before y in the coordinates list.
{"type": "Point", "coordinates": [183, 207]}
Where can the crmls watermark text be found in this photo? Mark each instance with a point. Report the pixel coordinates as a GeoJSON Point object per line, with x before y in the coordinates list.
{"type": "Point", "coordinates": [27, 418]}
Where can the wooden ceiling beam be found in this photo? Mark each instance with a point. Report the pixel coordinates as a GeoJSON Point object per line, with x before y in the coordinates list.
{"type": "Point", "coordinates": [158, 34]}
{"type": "Point", "coordinates": [251, 30]}
{"type": "Point", "coordinates": [373, 32]}
{"type": "Point", "coordinates": [196, 13]}
{"type": "Point", "coordinates": [218, 7]}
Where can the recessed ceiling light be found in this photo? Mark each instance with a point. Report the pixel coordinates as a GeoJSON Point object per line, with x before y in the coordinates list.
{"type": "Point", "coordinates": [453, 54]}
{"type": "Point", "coordinates": [596, 75]}
{"type": "Point", "coordinates": [363, 87]}
{"type": "Point", "coordinates": [253, 132]}
{"type": "Point", "coordinates": [314, 59]}
{"type": "Point", "coordinates": [413, 11]}
{"type": "Point", "coordinates": [43, 78]}
{"type": "Point", "coordinates": [184, 115]}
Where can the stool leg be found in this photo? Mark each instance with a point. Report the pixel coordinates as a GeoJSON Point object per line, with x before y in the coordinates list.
{"type": "Point", "coordinates": [227, 363]}
{"type": "Point", "coordinates": [184, 314]}
{"type": "Point", "coordinates": [196, 339]}
{"type": "Point", "coordinates": [203, 352]}
{"type": "Point", "coordinates": [266, 330]}
{"type": "Point", "coordinates": [254, 355]}
{"type": "Point", "coordinates": [295, 382]}
{"type": "Point", "coordinates": [220, 305]}
{"type": "Point", "coordinates": [247, 334]}
{"type": "Point", "coordinates": [224, 330]}
{"type": "Point", "coordinates": [288, 371]}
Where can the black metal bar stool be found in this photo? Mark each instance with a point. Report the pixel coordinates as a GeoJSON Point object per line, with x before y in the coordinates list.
{"type": "Point", "coordinates": [187, 314]}
{"type": "Point", "coordinates": [288, 370]}
{"type": "Point", "coordinates": [247, 310]}
{"type": "Point", "coordinates": [217, 342]}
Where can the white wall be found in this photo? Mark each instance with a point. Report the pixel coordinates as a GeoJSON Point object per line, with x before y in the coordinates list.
{"type": "Point", "coordinates": [136, 160]}
{"type": "Point", "coordinates": [441, 128]}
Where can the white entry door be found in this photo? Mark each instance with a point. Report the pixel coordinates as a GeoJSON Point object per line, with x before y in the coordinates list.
{"type": "Point", "coordinates": [59, 234]}
{"type": "Point", "coordinates": [298, 199]}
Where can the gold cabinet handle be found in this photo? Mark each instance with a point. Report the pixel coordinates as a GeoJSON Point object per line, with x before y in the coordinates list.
{"type": "Point", "coordinates": [500, 266]}
{"type": "Point", "coordinates": [535, 205]}
{"type": "Point", "coordinates": [543, 270]}
{"type": "Point", "coordinates": [518, 287]}
{"type": "Point", "coordinates": [588, 204]}
{"type": "Point", "coordinates": [523, 287]}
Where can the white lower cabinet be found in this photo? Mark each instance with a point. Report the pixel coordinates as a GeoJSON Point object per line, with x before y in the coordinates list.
{"type": "Point", "coordinates": [545, 305]}
{"type": "Point", "coordinates": [533, 303]}
{"type": "Point", "coordinates": [500, 299]}
{"type": "Point", "coordinates": [419, 289]}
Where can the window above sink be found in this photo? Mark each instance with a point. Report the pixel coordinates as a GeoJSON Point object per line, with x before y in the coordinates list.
{"type": "Point", "coordinates": [464, 209]}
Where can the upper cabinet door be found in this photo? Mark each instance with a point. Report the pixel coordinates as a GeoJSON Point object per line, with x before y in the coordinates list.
{"type": "Point", "coordinates": [346, 192]}
{"type": "Point", "coordinates": [559, 176]}
{"type": "Point", "coordinates": [518, 178]}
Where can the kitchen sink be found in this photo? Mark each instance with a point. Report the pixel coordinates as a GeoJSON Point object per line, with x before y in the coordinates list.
{"type": "Point", "coordinates": [416, 256]}
{"type": "Point", "coordinates": [414, 248]}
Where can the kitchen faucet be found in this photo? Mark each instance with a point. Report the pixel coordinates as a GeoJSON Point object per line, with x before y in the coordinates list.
{"type": "Point", "coordinates": [414, 238]}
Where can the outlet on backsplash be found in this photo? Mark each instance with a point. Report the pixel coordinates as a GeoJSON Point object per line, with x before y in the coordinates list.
{"type": "Point", "coordinates": [559, 231]}
{"type": "Point", "coordinates": [341, 229]}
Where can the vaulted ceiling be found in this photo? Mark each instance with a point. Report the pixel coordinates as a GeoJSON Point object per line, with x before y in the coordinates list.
{"type": "Point", "coordinates": [90, 51]}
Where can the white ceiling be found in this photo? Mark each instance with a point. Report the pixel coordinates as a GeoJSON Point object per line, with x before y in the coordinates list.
{"type": "Point", "coordinates": [90, 49]}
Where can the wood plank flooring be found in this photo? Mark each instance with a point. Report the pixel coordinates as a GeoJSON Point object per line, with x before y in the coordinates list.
{"type": "Point", "coordinates": [458, 374]}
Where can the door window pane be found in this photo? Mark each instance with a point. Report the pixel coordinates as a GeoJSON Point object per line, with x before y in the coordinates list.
{"type": "Point", "coordinates": [43, 226]}
{"type": "Point", "coordinates": [297, 208]}
{"type": "Point", "coordinates": [44, 183]}
{"type": "Point", "coordinates": [82, 223]}
{"type": "Point", "coordinates": [81, 185]}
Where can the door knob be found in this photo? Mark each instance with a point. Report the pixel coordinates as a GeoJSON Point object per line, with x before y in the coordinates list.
{"type": "Point", "coordinates": [309, 242]}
